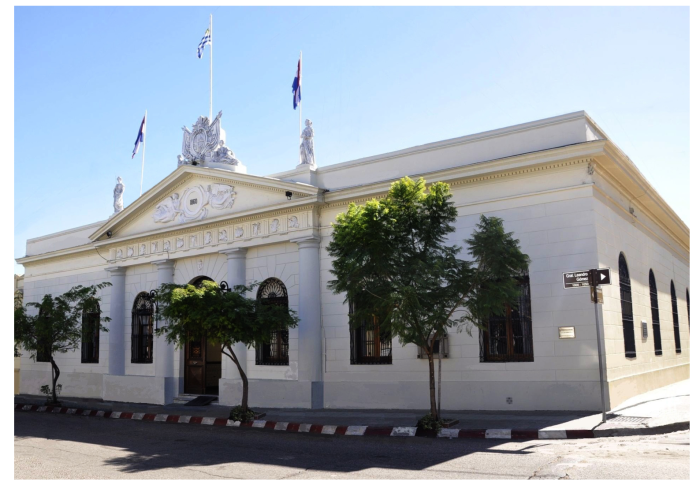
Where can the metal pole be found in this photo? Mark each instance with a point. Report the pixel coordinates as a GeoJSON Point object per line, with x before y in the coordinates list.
{"type": "Point", "coordinates": [211, 64]}
{"type": "Point", "coordinates": [600, 355]}
{"type": "Point", "coordinates": [143, 154]}
{"type": "Point", "coordinates": [300, 68]}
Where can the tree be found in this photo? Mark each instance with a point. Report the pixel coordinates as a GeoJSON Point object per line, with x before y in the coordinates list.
{"type": "Point", "coordinates": [225, 317]}
{"type": "Point", "coordinates": [392, 261]}
{"type": "Point", "coordinates": [59, 325]}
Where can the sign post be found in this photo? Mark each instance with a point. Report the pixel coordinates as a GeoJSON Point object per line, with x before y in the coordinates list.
{"type": "Point", "coordinates": [592, 278]}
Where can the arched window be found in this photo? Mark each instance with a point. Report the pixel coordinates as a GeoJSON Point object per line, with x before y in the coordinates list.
{"type": "Point", "coordinates": [508, 337]}
{"type": "Point", "coordinates": [674, 309]}
{"type": "Point", "coordinates": [142, 330]}
{"type": "Point", "coordinates": [197, 282]}
{"type": "Point", "coordinates": [273, 292]}
{"type": "Point", "coordinates": [90, 346]}
{"type": "Point", "coordinates": [626, 303]}
{"type": "Point", "coordinates": [655, 313]}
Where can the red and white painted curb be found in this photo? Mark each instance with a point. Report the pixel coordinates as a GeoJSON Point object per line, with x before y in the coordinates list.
{"type": "Point", "coordinates": [407, 431]}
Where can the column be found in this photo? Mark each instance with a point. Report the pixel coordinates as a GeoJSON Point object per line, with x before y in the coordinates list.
{"type": "Point", "coordinates": [164, 353]}
{"type": "Point", "coordinates": [235, 275]}
{"type": "Point", "coordinates": [116, 325]}
{"type": "Point", "coordinates": [310, 338]}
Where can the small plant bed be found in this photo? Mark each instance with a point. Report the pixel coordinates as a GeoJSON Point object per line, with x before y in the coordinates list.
{"type": "Point", "coordinates": [244, 415]}
{"type": "Point", "coordinates": [428, 423]}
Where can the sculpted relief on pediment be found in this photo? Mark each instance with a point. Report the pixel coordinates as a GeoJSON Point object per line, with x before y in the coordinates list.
{"type": "Point", "coordinates": [193, 203]}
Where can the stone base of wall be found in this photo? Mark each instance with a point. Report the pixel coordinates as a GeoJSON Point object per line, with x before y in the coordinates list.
{"type": "Point", "coordinates": [73, 384]}
{"type": "Point", "coordinates": [266, 393]}
{"type": "Point", "coordinates": [475, 395]}
{"type": "Point", "coordinates": [626, 387]}
{"type": "Point", "coordinates": [141, 389]}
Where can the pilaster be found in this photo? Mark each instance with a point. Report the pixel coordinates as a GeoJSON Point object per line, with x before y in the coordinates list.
{"type": "Point", "coordinates": [116, 364]}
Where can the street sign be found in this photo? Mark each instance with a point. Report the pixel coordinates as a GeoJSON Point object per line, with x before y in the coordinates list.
{"type": "Point", "coordinates": [595, 289]}
{"type": "Point", "coordinates": [576, 279]}
{"type": "Point", "coordinates": [591, 277]}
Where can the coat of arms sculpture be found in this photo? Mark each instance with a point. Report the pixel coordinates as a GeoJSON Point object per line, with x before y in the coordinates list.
{"type": "Point", "coordinates": [205, 144]}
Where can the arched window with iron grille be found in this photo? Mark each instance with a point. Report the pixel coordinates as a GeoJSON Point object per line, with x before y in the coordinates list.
{"type": "Point", "coordinates": [656, 325]}
{"type": "Point", "coordinates": [273, 292]}
{"type": "Point", "coordinates": [142, 330]}
{"type": "Point", "coordinates": [676, 327]}
{"type": "Point", "coordinates": [90, 345]}
{"type": "Point", "coordinates": [508, 337]}
{"type": "Point", "coordinates": [626, 303]}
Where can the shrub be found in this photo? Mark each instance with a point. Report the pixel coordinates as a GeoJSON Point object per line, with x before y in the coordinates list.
{"type": "Point", "coordinates": [239, 413]}
{"type": "Point", "coordinates": [429, 423]}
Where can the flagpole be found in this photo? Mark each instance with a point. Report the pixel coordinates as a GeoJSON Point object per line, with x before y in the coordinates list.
{"type": "Point", "coordinates": [300, 69]}
{"type": "Point", "coordinates": [211, 65]}
{"type": "Point", "coordinates": [143, 154]}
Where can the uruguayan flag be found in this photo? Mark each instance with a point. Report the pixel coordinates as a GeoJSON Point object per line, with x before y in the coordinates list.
{"type": "Point", "coordinates": [205, 40]}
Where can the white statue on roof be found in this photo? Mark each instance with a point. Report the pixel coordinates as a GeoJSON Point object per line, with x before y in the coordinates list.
{"type": "Point", "coordinates": [118, 196]}
{"type": "Point", "coordinates": [205, 145]}
{"type": "Point", "coordinates": [306, 149]}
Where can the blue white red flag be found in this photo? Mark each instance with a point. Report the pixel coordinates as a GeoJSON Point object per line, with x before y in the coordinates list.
{"type": "Point", "coordinates": [139, 137]}
{"type": "Point", "coordinates": [296, 86]}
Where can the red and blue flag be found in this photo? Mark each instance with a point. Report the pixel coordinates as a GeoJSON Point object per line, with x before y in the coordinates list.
{"type": "Point", "coordinates": [296, 86]}
{"type": "Point", "coordinates": [139, 137]}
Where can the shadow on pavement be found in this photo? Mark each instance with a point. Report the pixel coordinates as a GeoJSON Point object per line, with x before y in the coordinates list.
{"type": "Point", "coordinates": [154, 446]}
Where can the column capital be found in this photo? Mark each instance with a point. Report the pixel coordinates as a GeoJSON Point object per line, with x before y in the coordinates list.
{"type": "Point", "coordinates": [307, 242]}
{"type": "Point", "coordinates": [116, 270]}
{"type": "Point", "coordinates": [164, 263]}
{"type": "Point", "coordinates": [235, 253]}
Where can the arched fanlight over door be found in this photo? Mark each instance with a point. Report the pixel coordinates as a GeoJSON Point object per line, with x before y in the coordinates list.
{"type": "Point", "coordinates": [626, 304]}
{"type": "Point", "coordinates": [273, 292]}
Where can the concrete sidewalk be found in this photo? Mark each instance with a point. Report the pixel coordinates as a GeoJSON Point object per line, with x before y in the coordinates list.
{"type": "Point", "coordinates": [662, 410]}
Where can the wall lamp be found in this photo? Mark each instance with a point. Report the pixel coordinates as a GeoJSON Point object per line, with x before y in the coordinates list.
{"type": "Point", "coordinates": [109, 234]}
{"type": "Point", "coordinates": [224, 286]}
{"type": "Point", "coordinates": [288, 194]}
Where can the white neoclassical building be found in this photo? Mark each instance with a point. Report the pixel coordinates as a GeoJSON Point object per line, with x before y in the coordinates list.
{"type": "Point", "coordinates": [567, 191]}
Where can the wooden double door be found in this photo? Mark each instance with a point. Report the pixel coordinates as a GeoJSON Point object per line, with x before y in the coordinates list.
{"type": "Point", "coordinates": [202, 367]}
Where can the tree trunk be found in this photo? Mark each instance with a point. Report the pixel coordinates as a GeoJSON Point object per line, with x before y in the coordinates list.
{"type": "Point", "coordinates": [431, 365]}
{"type": "Point", "coordinates": [244, 378]}
{"type": "Point", "coordinates": [439, 396]}
{"type": "Point", "coordinates": [54, 379]}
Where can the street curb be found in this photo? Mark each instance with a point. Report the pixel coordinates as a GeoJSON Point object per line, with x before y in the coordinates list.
{"type": "Point", "coordinates": [405, 431]}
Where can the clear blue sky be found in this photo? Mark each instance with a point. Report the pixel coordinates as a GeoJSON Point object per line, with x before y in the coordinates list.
{"type": "Point", "coordinates": [375, 80]}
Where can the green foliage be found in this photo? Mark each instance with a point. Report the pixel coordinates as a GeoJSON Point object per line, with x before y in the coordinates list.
{"type": "Point", "coordinates": [190, 312]}
{"type": "Point", "coordinates": [392, 260]}
{"type": "Point", "coordinates": [429, 423]}
{"type": "Point", "coordinates": [239, 413]}
{"type": "Point", "coordinates": [47, 391]}
{"type": "Point", "coordinates": [57, 325]}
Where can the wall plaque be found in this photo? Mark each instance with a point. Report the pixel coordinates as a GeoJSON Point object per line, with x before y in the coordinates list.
{"type": "Point", "coordinates": [567, 332]}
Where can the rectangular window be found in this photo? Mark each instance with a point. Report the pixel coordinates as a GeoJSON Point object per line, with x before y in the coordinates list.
{"type": "Point", "coordinates": [508, 338]}
{"type": "Point", "coordinates": [276, 352]}
{"type": "Point", "coordinates": [368, 344]}
{"type": "Point", "coordinates": [142, 339]}
{"type": "Point", "coordinates": [90, 345]}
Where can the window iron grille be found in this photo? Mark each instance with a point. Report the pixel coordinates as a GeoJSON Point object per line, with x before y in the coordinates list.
{"type": "Point", "coordinates": [655, 323]}
{"type": "Point", "coordinates": [626, 305]}
{"type": "Point", "coordinates": [90, 345]}
{"type": "Point", "coordinates": [43, 353]}
{"type": "Point", "coordinates": [676, 327]}
{"type": "Point", "coordinates": [142, 330]}
{"type": "Point", "coordinates": [508, 337]}
{"type": "Point", "coordinates": [276, 352]}
{"type": "Point", "coordinates": [440, 346]}
{"type": "Point", "coordinates": [369, 345]}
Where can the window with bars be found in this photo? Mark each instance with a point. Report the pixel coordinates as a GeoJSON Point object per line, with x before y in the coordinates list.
{"type": "Point", "coordinates": [508, 337]}
{"type": "Point", "coordinates": [626, 304]}
{"type": "Point", "coordinates": [656, 326]}
{"type": "Point", "coordinates": [676, 327]}
{"type": "Point", "coordinates": [273, 292]}
{"type": "Point", "coordinates": [43, 353]}
{"type": "Point", "coordinates": [440, 348]}
{"type": "Point", "coordinates": [90, 345]}
{"type": "Point", "coordinates": [142, 330]}
{"type": "Point", "coordinates": [369, 345]}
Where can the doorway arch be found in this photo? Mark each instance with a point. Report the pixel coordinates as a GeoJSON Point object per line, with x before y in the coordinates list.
{"type": "Point", "coordinates": [202, 360]}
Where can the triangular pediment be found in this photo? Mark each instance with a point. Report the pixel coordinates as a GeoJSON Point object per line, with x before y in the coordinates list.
{"type": "Point", "coordinates": [191, 195]}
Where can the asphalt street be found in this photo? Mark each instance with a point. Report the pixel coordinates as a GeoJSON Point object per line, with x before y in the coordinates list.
{"type": "Point", "coordinates": [49, 446]}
